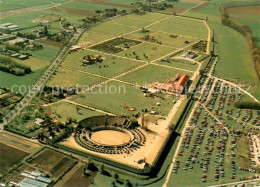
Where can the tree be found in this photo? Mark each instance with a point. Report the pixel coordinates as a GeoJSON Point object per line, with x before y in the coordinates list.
{"type": "Point", "coordinates": [116, 177]}
{"type": "Point", "coordinates": [45, 30]}
{"type": "Point", "coordinates": [128, 183]}
{"type": "Point", "coordinates": [102, 168]}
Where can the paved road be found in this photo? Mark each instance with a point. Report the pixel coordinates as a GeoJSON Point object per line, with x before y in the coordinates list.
{"type": "Point", "coordinates": [40, 84]}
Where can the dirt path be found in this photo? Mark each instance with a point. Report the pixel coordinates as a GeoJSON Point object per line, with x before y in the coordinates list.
{"type": "Point", "coordinates": [100, 76]}
{"type": "Point", "coordinates": [208, 43]}
{"type": "Point", "coordinates": [91, 108]}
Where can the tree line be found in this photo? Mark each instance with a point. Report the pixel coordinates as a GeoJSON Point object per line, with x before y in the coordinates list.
{"type": "Point", "coordinates": [248, 105]}
{"type": "Point", "coordinates": [243, 29]}
{"type": "Point", "coordinates": [10, 66]}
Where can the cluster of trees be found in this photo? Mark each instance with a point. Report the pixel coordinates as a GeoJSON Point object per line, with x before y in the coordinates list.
{"type": "Point", "coordinates": [10, 66]}
{"type": "Point", "coordinates": [154, 6]}
{"type": "Point", "coordinates": [26, 35]}
{"type": "Point", "coordinates": [247, 105]}
{"type": "Point", "coordinates": [13, 47]}
{"type": "Point", "coordinates": [102, 15]}
{"type": "Point", "coordinates": [244, 30]}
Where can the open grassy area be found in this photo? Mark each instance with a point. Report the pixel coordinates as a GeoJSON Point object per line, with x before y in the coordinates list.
{"type": "Point", "coordinates": [146, 51]}
{"type": "Point", "coordinates": [110, 67]}
{"type": "Point", "coordinates": [111, 29]}
{"type": "Point", "coordinates": [179, 63]}
{"type": "Point", "coordinates": [102, 99]}
{"type": "Point", "coordinates": [150, 16]}
{"type": "Point", "coordinates": [131, 21]}
{"type": "Point", "coordinates": [165, 38]}
{"type": "Point", "coordinates": [231, 46]}
{"type": "Point", "coordinates": [48, 53]}
{"type": "Point", "coordinates": [75, 79]}
{"type": "Point", "coordinates": [64, 110]}
{"type": "Point", "coordinates": [16, 4]}
{"type": "Point", "coordinates": [182, 26]}
{"type": "Point", "coordinates": [38, 66]}
{"type": "Point", "coordinates": [90, 37]}
{"type": "Point", "coordinates": [25, 19]}
{"type": "Point", "coordinates": [152, 73]}
{"type": "Point", "coordinates": [89, 6]}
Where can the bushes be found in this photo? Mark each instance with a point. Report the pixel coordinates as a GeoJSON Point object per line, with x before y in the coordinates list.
{"type": "Point", "coordinates": [10, 66]}
{"type": "Point", "coordinates": [248, 105]}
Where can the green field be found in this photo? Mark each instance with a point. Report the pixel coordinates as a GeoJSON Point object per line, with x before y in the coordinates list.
{"type": "Point", "coordinates": [64, 110]}
{"type": "Point", "coordinates": [90, 37]}
{"type": "Point", "coordinates": [25, 20]}
{"type": "Point", "coordinates": [102, 99]}
{"type": "Point", "coordinates": [184, 64]}
{"type": "Point", "coordinates": [255, 25]}
{"type": "Point", "coordinates": [163, 37]}
{"type": "Point", "coordinates": [48, 53]}
{"type": "Point", "coordinates": [111, 29]}
{"type": "Point", "coordinates": [131, 21]}
{"type": "Point", "coordinates": [229, 42]}
{"type": "Point", "coordinates": [152, 73]}
{"type": "Point", "coordinates": [151, 51]}
{"type": "Point", "coordinates": [16, 4]}
{"type": "Point", "coordinates": [110, 67]}
{"type": "Point", "coordinates": [66, 77]}
{"type": "Point", "coordinates": [38, 67]}
{"type": "Point", "coordinates": [89, 6]}
{"type": "Point", "coordinates": [182, 26]}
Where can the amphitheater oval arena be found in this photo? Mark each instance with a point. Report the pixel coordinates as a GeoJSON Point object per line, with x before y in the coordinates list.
{"type": "Point", "coordinates": [109, 135]}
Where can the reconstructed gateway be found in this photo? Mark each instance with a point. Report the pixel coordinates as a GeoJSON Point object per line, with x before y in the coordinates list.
{"type": "Point", "coordinates": [109, 135]}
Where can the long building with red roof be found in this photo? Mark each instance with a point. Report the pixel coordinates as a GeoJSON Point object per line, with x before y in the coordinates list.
{"type": "Point", "coordinates": [174, 86]}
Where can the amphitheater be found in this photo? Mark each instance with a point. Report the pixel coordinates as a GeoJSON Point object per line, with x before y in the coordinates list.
{"type": "Point", "coordinates": [109, 135]}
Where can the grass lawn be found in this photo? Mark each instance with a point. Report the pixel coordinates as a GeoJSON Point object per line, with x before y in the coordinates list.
{"type": "Point", "coordinates": [90, 37]}
{"type": "Point", "coordinates": [89, 6]}
{"type": "Point", "coordinates": [151, 51]}
{"type": "Point", "coordinates": [38, 67]}
{"type": "Point", "coordinates": [233, 51]}
{"type": "Point", "coordinates": [150, 16]}
{"type": "Point", "coordinates": [184, 64]}
{"type": "Point", "coordinates": [112, 29]}
{"type": "Point", "coordinates": [110, 67]}
{"type": "Point", "coordinates": [131, 21]}
{"type": "Point", "coordinates": [163, 37]}
{"type": "Point", "coordinates": [182, 26]}
{"type": "Point", "coordinates": [234, 57]}
{"type": "Point", "coordinates": [25, 20]}
{"type": "Point", "coordinates": [123, 2]}
{"type": "Point", "coordinates": [102, 99]}
{"type": "Point", "coordinates": [64, 110]}
{"type": "Point", "coordinates": [150, 74]}
{"type": "Point", "coordinates": [17, 4]}
{"type": "Point", "coordinates": [48, 53]}
{"type": "Point", "coordinates": [66, 77]}
{"type": "Point", "coordinates": [255, 25]}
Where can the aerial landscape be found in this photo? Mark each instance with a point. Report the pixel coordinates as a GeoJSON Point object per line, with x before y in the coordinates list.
{"type": "Point", "coordinates": [129, 93]}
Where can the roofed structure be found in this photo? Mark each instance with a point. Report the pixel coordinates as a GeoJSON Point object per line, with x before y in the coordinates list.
{"type": "Point", "coordinates": [176, 85]}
